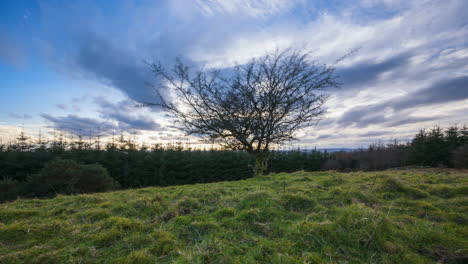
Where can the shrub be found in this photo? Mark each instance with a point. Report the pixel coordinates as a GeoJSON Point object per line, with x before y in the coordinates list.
{"type": "Point", "coordinates": [35, 187]}
{"type": "Point", "coordinates": [69, 177]}
{"type": "Point", "coordinates": [60, 176]}
{"type": "Point", "coordinates": [9, 189]}
{"type": "Point", "coordinates": [94, 178]}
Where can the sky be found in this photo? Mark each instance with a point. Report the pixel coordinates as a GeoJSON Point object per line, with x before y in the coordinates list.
{"type": "Point", "coordinates": [80, 66]}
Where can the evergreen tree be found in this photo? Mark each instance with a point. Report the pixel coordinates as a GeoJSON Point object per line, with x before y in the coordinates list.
{"type": "Point", "coordinates": [23, 144]}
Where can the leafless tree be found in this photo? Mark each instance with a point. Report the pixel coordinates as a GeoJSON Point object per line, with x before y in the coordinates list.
{"type": "Point", "coordinates": [250, 107]}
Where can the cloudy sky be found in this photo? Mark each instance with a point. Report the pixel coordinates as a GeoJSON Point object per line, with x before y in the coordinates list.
{"type": "Point", "coordinates": [78, 66]}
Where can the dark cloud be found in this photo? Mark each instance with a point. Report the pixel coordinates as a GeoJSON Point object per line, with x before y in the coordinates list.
{"type": "Point", "coordinates": [339, 136]}
{"type": "Point", "coordinates": [109, 64]}
{"type": "Point", "coordinates": [117, 118]}
{"type": "Point", "coordinates": [444, 91]}
{"type": "Point", "coordinates": [366, 73]}
{"type": "Point", "coordinates": [81, 125]}
{"type": "Point", "coordinates": [412, 120]}
{"type": "Point", "coordinates": [324, 137]}
{"type": "Point", "coordinates": [114, 52]}
{"type": "Point", "coordinates": [362, 116]}
{"type": "Point", "coordinates": [372, 119]}
{"type": "Point", "coordinates": [121, 112]}
{"type": "Point", "coordinates": [374, 134]}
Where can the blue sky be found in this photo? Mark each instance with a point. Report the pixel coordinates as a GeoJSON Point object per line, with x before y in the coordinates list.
{"type": "Point", "coordinates": [78, 66]}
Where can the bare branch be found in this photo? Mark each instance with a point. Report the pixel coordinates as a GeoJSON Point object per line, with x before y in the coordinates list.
{"type": "Point", "coordinates": [249, 107]}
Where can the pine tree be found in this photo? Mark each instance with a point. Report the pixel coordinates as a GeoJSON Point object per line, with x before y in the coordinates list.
{"type": "Point", "coordinates": [23, 142]}
{"type": "Point", "coordinates": [418, 148]}
{"type": "Point", "coordinates": [464, 135]}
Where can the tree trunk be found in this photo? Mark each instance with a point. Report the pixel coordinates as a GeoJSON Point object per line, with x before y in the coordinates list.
{"type": "Point", "coordinates": [261, 163]}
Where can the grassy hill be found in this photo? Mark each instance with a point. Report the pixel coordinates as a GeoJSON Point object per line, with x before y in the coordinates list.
{"type": "Point", "coordinates": [412, 216]}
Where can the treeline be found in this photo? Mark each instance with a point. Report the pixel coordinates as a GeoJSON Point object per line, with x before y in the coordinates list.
{"type": "Point", "coordinates": [435, 147]}
{"type": "Point", "coordinates": [130, 164]}
{"type": "Point", "coordinates": [27, 167]}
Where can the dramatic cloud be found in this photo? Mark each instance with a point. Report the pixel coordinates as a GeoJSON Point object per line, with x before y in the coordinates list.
{"type": "Point", "coordinates": [366, 73]}
{"type": "Point", "coordinates": [412, 120]}
{"type": "Point", "coordinates": [121, 112]}
{"type": "Point", "coordinates": [109, 64]}
{"type": "Point", "coordinates": [82, 126]}
{"type": "Point", "coordinates": [374, 134]}
{"type": "Point", "coordinates": [411, 68]}
{"type": "Point", "coordinates": [445, 91]}
{"type": "Point", "coordinates": [116, 118]}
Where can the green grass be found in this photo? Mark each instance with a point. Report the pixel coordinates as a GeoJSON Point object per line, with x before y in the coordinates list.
{"type": "Point", "coordinates": [412, 216]}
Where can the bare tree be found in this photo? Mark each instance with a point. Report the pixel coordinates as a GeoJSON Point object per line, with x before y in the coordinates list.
{"type": "Point", "coordinates": [249, 107]}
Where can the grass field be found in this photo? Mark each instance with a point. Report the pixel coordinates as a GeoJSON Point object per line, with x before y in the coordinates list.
{"type": "Point", "coordinates": [407, 216]}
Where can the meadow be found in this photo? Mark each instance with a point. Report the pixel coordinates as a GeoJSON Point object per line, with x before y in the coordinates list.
{"type": "Point", "coordinates": [392, 216]}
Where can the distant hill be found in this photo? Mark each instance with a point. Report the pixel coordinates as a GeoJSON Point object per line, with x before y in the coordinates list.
{"type": "Point", "coordinates": [337, 149]}
{"type": "Point", "coordinates": [330, 150]}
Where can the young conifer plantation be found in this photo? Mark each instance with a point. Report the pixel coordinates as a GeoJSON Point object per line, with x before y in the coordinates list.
{"type": "Point", "coordinates": [42, 168]}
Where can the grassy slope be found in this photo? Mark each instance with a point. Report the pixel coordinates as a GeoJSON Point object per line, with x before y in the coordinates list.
{"type": "Point", "coordinates": [323, 217]}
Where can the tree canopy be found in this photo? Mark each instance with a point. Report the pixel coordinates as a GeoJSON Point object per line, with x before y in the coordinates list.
{"type": "Point", "coordinates": [250, 107]}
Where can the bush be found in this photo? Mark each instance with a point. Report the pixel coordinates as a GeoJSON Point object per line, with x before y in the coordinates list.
{"type": "Point", "coordinates": [34, 187]}
{"type": "Point", "coordinates": [60, 176]}
{"type": "Point", "coordinates": [460, 157]}
{"type": "Point", "coordinates": [94, 178]}
{"type": "Point", "coordinates": [69, 177]}
{"type": "Point", "coordinates": [9, 189]}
